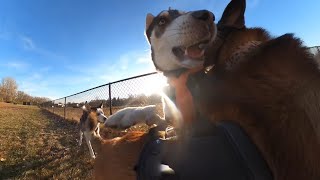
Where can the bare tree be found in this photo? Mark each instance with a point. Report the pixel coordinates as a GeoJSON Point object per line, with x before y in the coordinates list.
{"type": "Point", "coordinates": [23, 97]}
{"type": "Point", "coordinates": [8, 89]}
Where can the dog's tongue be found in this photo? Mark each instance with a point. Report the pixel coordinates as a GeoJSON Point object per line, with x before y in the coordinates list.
{"type": "Point", "coordinates": [194, 52]}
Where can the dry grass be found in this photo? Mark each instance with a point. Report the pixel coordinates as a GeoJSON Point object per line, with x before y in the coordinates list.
{"type": "Point", "coordinates": [35, 144]}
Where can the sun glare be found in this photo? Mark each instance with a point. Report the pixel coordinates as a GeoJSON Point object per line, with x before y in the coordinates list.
{"type": "Point", "coordinates": [154, 85]}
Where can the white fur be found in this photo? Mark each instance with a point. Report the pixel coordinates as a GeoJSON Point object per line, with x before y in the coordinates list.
{"type": "Point", "coordinates": [182, 31]}
{"type": "Point", "coordinates": [87, 132]}
{"type": "Point", "coordinates": [130, 116]}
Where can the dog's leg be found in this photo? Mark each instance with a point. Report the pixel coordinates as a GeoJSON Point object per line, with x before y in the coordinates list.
{"type": "Point", "coordinates": [87, 136]}
{"type": "Point", "coordinates": [80, 140]}
{"type": "Point", "coordinates": [97, 131]}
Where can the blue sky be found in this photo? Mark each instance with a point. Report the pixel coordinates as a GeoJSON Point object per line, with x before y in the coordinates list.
{"type": "Point", "coordinates": [59, 47]}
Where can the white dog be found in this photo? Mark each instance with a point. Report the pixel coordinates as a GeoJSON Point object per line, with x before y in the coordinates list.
{"type": "Point", "coordinates": [130, 116]}
{"type": "Point", "coordinates": [89, 124]}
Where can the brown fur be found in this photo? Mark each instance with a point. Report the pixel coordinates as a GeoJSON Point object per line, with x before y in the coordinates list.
{"type": "Point", "coordinates": [274, 95]}
{"type": "Point", "coordinates": [89, 119]}
{"type": "Point", "coordinates": [119, 155]}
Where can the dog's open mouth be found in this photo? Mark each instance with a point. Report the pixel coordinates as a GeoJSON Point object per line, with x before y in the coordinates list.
{"type": "Point", "coordinates": [195, 51]}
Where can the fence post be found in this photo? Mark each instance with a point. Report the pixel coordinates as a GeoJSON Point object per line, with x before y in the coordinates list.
{"type": "Point", "coordinates": [65, 105]}
{"type": "Point", "coordinates": [110, 101]}
{"type": "Point", "coordinates": [53, 106]}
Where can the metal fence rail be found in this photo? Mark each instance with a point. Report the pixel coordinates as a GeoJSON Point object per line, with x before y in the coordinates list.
{"type": "Point", "coordinates": [135, 91]}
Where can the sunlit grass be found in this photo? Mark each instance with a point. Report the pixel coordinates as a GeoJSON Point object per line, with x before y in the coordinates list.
{"type": "Point", "coordinates": [37, 145]}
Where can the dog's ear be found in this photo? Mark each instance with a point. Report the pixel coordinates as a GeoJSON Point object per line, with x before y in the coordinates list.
{"type": "Point", "coordinates": [84, 108]}
{"type": "Point", "coordinates": [149, 20]}
{"type": "Point", "coordinates": [101, 105]}
{"type": "Point", "coordinates": [233, 15]}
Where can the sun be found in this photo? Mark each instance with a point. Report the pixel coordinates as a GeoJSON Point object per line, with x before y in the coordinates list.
{"type": "Point", "coordinates": [154, 85]}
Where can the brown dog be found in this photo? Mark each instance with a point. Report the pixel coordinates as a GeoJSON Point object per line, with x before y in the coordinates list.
{"type": "Point", "coordinates": [272, 91]}
{"type": "Point", "coordinates": [270, 86]}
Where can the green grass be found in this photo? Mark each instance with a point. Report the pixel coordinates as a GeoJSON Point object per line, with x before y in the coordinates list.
{"type": "Point", "coordinates": [35, 144]}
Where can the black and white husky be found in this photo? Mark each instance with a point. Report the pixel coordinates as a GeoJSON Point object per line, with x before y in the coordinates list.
{"type": "Point", "coordinates": [89, 124]}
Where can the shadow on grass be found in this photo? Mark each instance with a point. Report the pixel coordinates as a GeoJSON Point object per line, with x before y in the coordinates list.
{"type": "Point", "coordinates": [57, 154]}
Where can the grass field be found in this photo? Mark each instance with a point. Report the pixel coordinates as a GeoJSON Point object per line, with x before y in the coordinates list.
{"type": "Point", "coordinates": [35, 144]}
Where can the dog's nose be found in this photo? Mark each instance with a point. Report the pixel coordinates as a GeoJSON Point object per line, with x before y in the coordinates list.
{"type": "Point", "coordinates": [203, 15]}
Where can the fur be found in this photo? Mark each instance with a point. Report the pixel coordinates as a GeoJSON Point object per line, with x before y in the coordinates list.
{"type": "Point", "coordinates": [89, 124]}
{"type": "Point", "coordinates": [130, 116]}
{"type": "Point", "coordinates": [176, 30]}
{"type": "Point", "coordinates": [119, 155]}
{"type": "Point", "coordinates": [274, 93]}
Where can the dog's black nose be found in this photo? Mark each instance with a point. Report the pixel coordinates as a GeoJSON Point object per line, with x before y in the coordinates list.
{"type": "Point", "coordinates": [203, 15]}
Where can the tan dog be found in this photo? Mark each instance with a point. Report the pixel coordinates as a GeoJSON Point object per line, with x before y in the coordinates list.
{"type": "Point", "coordinates": [89, 124]}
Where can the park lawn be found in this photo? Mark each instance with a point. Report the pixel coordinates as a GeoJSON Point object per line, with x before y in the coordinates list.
{"type": "Point", "coordinates": [35, 144]}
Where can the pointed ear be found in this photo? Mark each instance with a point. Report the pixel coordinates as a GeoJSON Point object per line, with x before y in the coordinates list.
{"type": "Point", "coordinates": [84, 108]}
{"type": "Point", "coordinates": [233, 15]}
{"type": "Point", "coordinates": [149, 20]}
{"type": "Point", "coordinates": [101, 105]}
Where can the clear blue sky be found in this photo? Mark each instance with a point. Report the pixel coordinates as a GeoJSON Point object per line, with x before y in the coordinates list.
{"type": "Point", "coordinates": [55, 48]}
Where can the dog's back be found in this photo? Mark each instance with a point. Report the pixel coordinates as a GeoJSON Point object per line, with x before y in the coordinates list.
{"type": "Point", "coordinates": [130, 116]}
{"type": "Point", "coordinates": [275, 96]}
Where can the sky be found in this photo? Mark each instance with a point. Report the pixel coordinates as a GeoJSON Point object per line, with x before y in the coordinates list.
{"type": "Point", "coordinates": [54, 48]}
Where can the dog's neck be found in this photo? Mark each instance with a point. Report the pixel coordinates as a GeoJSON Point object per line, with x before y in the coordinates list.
{"type": "Point", "coordinates": [233, 44]}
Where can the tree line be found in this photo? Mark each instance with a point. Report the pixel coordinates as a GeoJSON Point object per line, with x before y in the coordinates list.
{"type": "Point", "coordinates": [9, 93]}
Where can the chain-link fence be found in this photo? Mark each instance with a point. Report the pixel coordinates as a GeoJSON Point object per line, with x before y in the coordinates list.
{"type": "Point", "coordinates": [135, 91]}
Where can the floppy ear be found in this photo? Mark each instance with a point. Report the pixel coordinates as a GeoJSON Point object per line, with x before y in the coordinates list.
{"type": "Point", "coordinates": [149, 20]}
{"type": "Point", "coordinates": [233, 15]}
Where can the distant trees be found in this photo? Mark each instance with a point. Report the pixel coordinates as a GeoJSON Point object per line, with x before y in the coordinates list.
{"type": "Point", "coordinates": [9, 93]}
{"type": "Point", "coordinates": [8, 89]}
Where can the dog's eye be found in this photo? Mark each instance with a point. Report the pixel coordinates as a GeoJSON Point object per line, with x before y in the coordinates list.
{"type": "Point", "coordinates": [162, 21]}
